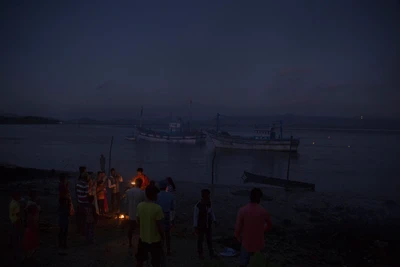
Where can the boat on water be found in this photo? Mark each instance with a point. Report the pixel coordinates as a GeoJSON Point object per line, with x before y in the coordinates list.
{"type": "Point", "coordinates": [130, 138]}
{"type": "Point", "coordinates": [176, 134]}
{"type": "Point", "coordinates": [269, 138]}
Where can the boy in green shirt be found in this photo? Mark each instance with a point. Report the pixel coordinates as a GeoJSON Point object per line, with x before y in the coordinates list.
{"type": "Point", "coordinates": [150, 217]}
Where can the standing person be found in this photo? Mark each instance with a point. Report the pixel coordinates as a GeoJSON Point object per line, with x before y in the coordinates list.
{"type": "Point", "coordinates": [251, 223]}
{"type": "Point", "coordinates": [171, 186]}
{"type": "Point", "coordinates": [166, 201]}
{"type": "Point", "coordinates": [104, 179]}
{"type": "Point", "coordinates": [150, 220]}
{"type": "Point", "coordinates": [93, 190]}
{"type": "Point", "coordinates": [63, 221]}
{"type": "Point", "coordinates": [91, 220]}
{"type": "Point", "coordinates": [113, 184]}
{"type": "Point", "coordinates": [102, 163]}
{"type": "Point", "coordinates": [134, 196]}
{"type": "Point", "coordinates": [31, 236]}
{"type": "Point", "coordinates": [100, 196]}
{"type": "Point", "coordinates": [142, 176]}
{"type": "Point", "coordinates": [202, 221]}
{"type": "Point", "coordinates": [16, 224]}
{"type": "Point", "coordinates": [82, 192]}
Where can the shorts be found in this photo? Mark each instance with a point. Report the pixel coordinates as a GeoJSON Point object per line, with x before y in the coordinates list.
{"type": "Point", "coordinates": [245, 256]}
{"type": "Point", "coordinates": [145, 248]}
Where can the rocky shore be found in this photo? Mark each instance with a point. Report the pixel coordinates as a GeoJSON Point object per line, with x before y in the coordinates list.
{"type": "Point", "coordinates": [310, 228]}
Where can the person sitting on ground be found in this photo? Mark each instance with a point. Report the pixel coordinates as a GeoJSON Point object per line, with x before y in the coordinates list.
{"type": "Point", "coordinates": [142, 176]}
{"type": "Point", "coordinates": [166, 201]}
{"type": "Point", "coordinates": [150, 217]}
{"type": "Point", "coordinates": [203, 218]}
{"type": "Point", "coordinates": [134, 197]}
{"type": "Point", "coordinates": [251, 223]}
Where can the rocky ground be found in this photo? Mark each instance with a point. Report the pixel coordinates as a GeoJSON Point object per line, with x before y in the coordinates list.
{"type": "Point", "coordinates": [310, 228]}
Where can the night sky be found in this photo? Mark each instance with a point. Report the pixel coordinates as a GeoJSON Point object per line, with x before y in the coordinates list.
{"type": "Point", "coordinates": [72, 59]}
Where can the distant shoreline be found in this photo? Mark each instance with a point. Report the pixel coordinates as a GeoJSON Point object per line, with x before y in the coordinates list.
{"type": "Point", "coordinates": [316, 128]}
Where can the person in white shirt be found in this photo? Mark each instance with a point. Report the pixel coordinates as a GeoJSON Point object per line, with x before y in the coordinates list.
{"type": "Point", "coordinates": [134, 196]}
{"type": "Point", "coordinates": [113, 184]}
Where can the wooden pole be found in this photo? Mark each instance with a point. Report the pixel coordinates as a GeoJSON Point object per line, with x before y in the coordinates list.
{"type": "Point", "coordinates": [109, 156]}
{"type": "Point", "coordinates": [287, 221]}
{"type": "Point", "coordinates": [290, 151]}
{"type": "Point", "coordinates": [212, 167]}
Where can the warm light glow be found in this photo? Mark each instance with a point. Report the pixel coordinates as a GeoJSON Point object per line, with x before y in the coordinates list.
{"type": "Point", "coordinates": [132, 183]}
{"type": "Point", "coordinates": [313, 143]}
{"type": "Point", "coordinates": [122, 216]}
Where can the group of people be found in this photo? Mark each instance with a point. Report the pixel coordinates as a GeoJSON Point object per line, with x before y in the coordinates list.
{"type": "Point", "coordinates": [151, 210]}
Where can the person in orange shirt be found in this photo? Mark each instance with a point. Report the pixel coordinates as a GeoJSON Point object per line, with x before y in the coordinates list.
{"type": "Point", "coordinates": [142, 176]}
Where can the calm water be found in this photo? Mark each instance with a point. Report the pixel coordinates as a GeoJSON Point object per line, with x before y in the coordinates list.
{"type": "Point", "coordinates": [367, 167]}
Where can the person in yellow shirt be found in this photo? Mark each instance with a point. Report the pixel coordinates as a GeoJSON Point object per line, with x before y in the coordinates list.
{"type": "Point", "coordinates": [149, 216]}
{"type": "Point", "coordinates": [15, 218]}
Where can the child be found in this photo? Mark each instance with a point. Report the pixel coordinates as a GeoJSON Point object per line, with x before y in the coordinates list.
{"type": "Point", "coordinates": [63, 221]}
{"type": "Point", "coordinates": [202, 221]}
{"type": "Point", "coordinates": [91, 220]}
{"type": "Point", "coordinates": [100, 196]}
{"type": "Point", "coordinates": [31, 237]}
{"type": "Point", "coordinates": [16, 224]}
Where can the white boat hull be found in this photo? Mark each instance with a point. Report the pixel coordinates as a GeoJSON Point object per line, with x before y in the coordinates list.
{"type": "Point", "coordinates": [160, 139]}
{"type": "Point", "coordinates": [271, 145]}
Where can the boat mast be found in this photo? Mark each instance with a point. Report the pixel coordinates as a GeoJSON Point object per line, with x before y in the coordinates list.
{"type": "Point", "coordinates": [190, 114]}
{"type": "Point", "coordinates": [218, 122]}
{"type": "Point", "coordinates": [141, 115]}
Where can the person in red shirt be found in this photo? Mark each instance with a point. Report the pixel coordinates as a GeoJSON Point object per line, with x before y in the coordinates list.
{"type": "Point", "coordinates": [143, 177]}
{"type": "Point", "coordinates": [251, 223]}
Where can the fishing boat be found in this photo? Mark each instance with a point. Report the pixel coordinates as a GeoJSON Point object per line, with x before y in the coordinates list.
{"type": "Point", "coordinates": [176, 134]}
{"type": "Point", "coordinates": [130, 138]}
{"type": "Point", "coordinates": [269, 138]}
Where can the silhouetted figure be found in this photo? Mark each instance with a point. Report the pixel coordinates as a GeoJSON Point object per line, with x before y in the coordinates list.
{"type": "Point", "coordinates": [203, 218]}
{"type": "Point", "coordinates": [102, 163]}
{"type": "Point", "coordinates": [113, 184]}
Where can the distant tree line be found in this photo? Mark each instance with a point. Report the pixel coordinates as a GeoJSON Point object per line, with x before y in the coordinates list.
{"type": "Point", "coordinates": [27, 120]}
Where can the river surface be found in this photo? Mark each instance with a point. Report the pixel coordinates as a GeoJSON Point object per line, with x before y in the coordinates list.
{"type": "Point", "coordinates": [358, 162]}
